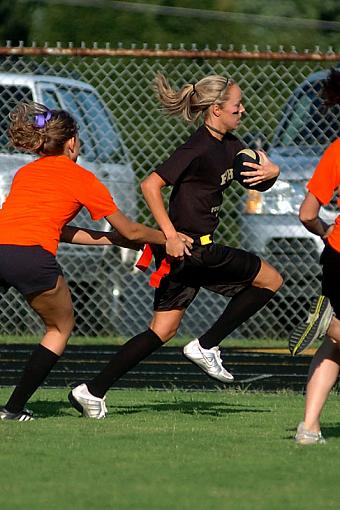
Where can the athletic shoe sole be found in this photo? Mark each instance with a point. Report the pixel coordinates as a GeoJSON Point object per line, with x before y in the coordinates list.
{"type": "Point", "coordinates": [74, 403]}
{"type": "Point", "coordinates": [319, 319]}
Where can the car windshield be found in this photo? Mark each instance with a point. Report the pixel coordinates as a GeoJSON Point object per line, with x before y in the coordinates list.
{"type": "Point", "coordinates": [98, 134]}
{"type": "Point", "coordinates": [306, 122]}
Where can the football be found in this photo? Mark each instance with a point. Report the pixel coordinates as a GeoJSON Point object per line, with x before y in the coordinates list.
{"type": "Point", "coordinates": [244, 156]}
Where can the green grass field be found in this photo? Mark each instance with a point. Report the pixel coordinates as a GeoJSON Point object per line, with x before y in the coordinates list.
{"type": "Point", "coordinates": [169, 450]}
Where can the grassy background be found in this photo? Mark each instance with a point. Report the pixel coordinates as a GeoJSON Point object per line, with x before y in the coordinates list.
{"type": "Point", "coordinates": [119, 340]}
{"type": "Point", "coordinates": [164, 450]}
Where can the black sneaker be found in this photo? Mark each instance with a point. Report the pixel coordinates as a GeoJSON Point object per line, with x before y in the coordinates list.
{"type": "Point", "coordinates": [24, 415]}
{"type": "Point", "coordinates": [315, 327]}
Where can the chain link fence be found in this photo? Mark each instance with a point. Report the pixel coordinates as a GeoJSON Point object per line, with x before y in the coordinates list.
{"type": "Point", "coordinates": [125, 135]}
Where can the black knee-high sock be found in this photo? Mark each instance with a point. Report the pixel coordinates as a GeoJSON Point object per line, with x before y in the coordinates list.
{"type": "Point", "coordinates": [242, 306]}
{"type": "Point", "coordinates": [130, 354]}
{"type": "Point", "coordinates": [38, 367]}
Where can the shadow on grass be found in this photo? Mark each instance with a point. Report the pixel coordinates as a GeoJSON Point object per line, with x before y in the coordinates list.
{"type": "Point", "coordinates": [194, 408]}
{"type": "Point", "coordinates": [331, 430]}
{"type": "Point", "coordinates": [45, 408]}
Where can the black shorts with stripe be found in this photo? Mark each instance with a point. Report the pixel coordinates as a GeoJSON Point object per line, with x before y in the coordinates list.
{"type": "Point", "coordinates": [330, 260]}
{"type": "Point", "coordinates": [29, 269]}
{"type": "Point", "coordinates": [215, 267]}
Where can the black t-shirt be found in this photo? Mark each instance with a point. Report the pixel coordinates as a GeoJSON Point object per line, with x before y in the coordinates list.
{"type": "Point", "coordinates": [199, 170]}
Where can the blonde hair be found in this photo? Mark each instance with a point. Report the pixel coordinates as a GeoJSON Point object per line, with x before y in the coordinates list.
{"type": "Point", "coordinates": [192, 99]}
{"type": "Point", "coordinates": [35, 128]}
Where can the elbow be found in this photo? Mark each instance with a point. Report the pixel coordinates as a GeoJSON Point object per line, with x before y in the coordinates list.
{"type": "Point", "coordinates": [302, 217]}
{"type": "Point", "coordinates": [306, 218]}
{"type": "Point", "coordinates": [144, 185]}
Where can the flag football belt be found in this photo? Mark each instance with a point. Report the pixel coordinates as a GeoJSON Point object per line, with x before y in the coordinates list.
{"type": "Point", "coordinates": [203, 240]}
{"type": "Point", "coordinates": [145, 260]}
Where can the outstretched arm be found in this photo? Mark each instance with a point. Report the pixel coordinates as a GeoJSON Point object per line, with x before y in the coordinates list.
{"type": "Point", "coordinates": [133, 231]}
{"type": "Point", "coordinates": [85, 236]}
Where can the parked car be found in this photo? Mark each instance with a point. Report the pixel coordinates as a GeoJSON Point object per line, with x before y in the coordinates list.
{"type": "Point", "coordinates": [94, 273]}
{"type": "Point", "coordinates": [271, 226]}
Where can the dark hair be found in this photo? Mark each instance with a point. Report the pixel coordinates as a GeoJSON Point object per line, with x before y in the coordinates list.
{"type": "Point", "coordinates": [330, 92]}
{"type": "Point", "coordinates": [37, 129]}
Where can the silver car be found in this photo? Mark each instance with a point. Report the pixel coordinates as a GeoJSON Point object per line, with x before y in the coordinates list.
{"type": "Point", "coordinates": [94, 273]}
{"type": "Point", "coordinates": [271, 226]}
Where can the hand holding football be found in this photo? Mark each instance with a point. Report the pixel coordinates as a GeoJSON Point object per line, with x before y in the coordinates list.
{"type": "Point", "coordinates": [244, 156]}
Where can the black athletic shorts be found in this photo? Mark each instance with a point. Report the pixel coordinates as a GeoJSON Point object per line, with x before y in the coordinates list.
{"type": "Point", "coordinates": [218, 268]}
{"type": "Point", "coordinates": [330, 260]}
{"type": "Point", "coordinates": [29, 269]}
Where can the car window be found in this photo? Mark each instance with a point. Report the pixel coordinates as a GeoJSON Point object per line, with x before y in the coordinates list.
{"type": "Point", "coordinates": [88, 142]}
{"type": "Point", "coordinates": [100, 139]}
{"type": "Point", "coordinates": [10, 96]}
{"type": "Point", "coordinates": [306, 121]}
{"type": "Point", "coordinates": [50, 99]}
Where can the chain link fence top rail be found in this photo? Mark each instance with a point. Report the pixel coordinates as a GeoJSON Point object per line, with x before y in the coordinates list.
{"type": "Point", "coordinates": [126, 135]}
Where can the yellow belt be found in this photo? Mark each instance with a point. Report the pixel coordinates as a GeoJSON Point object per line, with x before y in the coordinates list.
{"type": "Point", "coordinates": [206, 239]}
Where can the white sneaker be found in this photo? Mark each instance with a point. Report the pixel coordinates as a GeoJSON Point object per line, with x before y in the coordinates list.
{"type": "Point", "coordinates": [305, 437]}
{"type": "Point", "coordinates": [86, 403]}
{"type": "Point", "coordinates": [209, 360]}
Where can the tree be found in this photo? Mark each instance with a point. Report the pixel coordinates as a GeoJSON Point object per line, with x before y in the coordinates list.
{"type": "Point", "coordinates": [260, 24]}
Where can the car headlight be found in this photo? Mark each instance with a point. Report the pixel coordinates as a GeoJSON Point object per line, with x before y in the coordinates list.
{"type": "Point", "coordinates": [283, 198]}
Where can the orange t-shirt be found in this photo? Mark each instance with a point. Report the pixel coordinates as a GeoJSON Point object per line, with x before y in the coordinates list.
{"type": "Point", "coordinates": [47, 194]}
{"type": "Point", "coordinates": [325, 180]}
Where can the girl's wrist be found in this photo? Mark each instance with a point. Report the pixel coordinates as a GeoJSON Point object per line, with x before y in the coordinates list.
{"type": "Point", "coordinates": [171, 235]}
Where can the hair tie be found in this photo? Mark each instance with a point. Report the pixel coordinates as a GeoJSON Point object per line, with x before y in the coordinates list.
{"type": "Point", "coordinates": [193, 89]}
{"type": "Point", "coordinates": [41, 119]}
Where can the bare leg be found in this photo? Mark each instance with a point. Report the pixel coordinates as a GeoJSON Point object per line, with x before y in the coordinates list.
{"type": "Point", "coordinates": [323, 373]}
{"type": "Point", "coordinates": [243, 305]}
{"type": "Point", "coordinates": [334, 329]}
{"type": "Point", "coordinates": [56, 310]}
{"type": "Point", "coordinates": [268, 277]}
{"type": "Point", "coordinates": [165, 324]}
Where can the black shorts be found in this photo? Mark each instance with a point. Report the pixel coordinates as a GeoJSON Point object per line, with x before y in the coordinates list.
{"type": "Point", "coordinates": [218, 268]}
{"type": "Point", "coordinates": [29, 269]}
{"type": "Point", "coordinates": [330, 260]}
